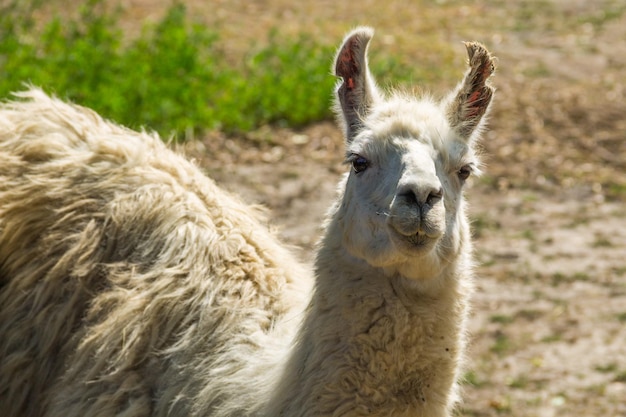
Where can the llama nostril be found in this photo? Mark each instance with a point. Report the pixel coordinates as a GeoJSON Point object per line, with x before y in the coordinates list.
{"type": "Point", "coordinates": [411, 198]}
{"type": "Point", "coordinates": [434, 197]}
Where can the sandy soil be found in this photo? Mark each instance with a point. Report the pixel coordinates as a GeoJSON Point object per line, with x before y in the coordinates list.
{"type": "Point", "coordinates": [549, 322]}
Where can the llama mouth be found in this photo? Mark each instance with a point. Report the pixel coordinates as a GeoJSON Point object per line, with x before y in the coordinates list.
{"type": "Point", "coordinates": [418, 239]}
{"type": "Point", "coordinates": [414, 243]}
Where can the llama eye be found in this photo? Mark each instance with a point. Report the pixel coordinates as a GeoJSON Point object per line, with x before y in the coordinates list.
{"type": "Point", "coordinates": [464, 172]}
{"type": "Point", "coordinates": [359, 164]}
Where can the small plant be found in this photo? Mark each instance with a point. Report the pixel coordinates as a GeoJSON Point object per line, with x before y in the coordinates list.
{"type": "Point", "coordinates": [608, 368]}
{"type": "Point", "coordinates": [519, 382]}
{"type": "Point", "coordinates": [552, 338]}
{"type": "Point", "coordinates": [501, 319]}
{"type": "Point", "coordinates": [529, 314]}
{"type": "Point", "coordinates": [501, 344]}
{"type": "Point", "coordinates": [602, 242]}
{"type": "Point", "coordinates": [471, 378]}
{"type": "Point", "coordinates": [620, 377]}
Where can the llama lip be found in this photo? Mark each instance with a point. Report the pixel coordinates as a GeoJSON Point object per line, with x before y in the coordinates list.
{"type": "Point", "coordinates": [412, 234]}
{"type": "Point", "coordinates": [410, 244]}
{"type": "Point", "coordinates": [417, 239]}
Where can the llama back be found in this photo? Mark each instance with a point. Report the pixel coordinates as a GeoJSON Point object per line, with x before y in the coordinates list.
{"type": "Point", "coordinates": [129, 282]}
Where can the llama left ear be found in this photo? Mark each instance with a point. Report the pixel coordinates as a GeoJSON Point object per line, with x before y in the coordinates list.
{"type": "Point", "coordinates": [357, 91]}
{"type": "Point", "coordinates": [470, 102]}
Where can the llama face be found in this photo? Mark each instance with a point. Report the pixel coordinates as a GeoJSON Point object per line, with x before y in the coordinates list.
{"type": "Point", "coordinates": [402, 197]}
{"type": "Point", "coordinates": [402, 205]}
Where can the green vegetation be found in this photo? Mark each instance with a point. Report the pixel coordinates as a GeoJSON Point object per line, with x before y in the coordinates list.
{"type": "Point", "coordinates": [471, 378]}
{"type": "Point", "coordinates": [529, 314]}
{"type": "Point", "coordinates": [501, 345]}
{"type": "Point", "coordinates": [552, 338]}
{"type": "Point", "coordinates": [173, 78]}
{"type": "Point", "coordinates": [608, 368]}
{"type": "Point", "coordinates": [602, 241]}
{"type": "Point", "coordinates": [501, 319]}
{"type": "Point", "coordinates": [559, 278]}
{"type": "Point", "coordinates": [519, 382]}
{"type": "Point", "coordinates": [620, 377]}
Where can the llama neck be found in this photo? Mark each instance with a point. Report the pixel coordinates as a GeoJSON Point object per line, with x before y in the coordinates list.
{"type": "Point", "coordinates": [376, 344]}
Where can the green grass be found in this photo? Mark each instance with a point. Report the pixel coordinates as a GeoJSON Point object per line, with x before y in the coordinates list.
{"type": "Point", "coordinates": [615, 191]}
{"type": "Point", "coordinates": [519, 382]}
{"type": "Point", "coordinates": [603, 15]}
{"type": "Point", "coordinates": [552, 338]}
{"type": "Point", "coordinates": [501, 344]}
{"type": "Point", "coordinates": [559, 278]}
{"type": "Point", "coordinates": [501, 319]}
{"type": "Point", "coordinates": [529, 314]}
{"type": "Point", "coordinates": [602, 242]}
{"type": "Point", "coordinates": [608, 368]}
{"type": "Point", "coordinates": [174, 77]}
{"type": "Point", "coordinates": [471, 378]}
{"type": "Point", "coordinates": [620, 377]}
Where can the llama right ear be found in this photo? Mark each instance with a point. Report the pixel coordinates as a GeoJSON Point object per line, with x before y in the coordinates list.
{"type": "Point", "coordinates": [470, 101]}
{"type": "Point", "coordinates": [357, 91]}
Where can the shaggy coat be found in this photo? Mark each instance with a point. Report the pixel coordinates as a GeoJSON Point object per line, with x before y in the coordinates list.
{"type": "Point", "coordinates": [128, 280]}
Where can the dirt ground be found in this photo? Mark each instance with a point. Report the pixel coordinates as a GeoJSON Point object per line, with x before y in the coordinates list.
{"type": "Point", "coordinates": [548, 328]}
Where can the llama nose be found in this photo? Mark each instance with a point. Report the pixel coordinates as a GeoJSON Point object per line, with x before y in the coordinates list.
{"type": "Point", "coordinates": [411, 208]}
{"type": "Point", "coordinates": [421, 194]}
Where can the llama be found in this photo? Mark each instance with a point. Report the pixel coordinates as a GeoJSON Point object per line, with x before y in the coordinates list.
{"type": "Point", "coordinates": [131, 285]}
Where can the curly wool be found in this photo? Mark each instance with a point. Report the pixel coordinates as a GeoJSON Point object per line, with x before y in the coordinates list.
{"type": "Point", "coordinates": [130, 284]}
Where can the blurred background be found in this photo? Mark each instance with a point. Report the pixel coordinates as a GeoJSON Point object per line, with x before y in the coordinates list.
{"type": "Point", "coordinates": [245, 89]}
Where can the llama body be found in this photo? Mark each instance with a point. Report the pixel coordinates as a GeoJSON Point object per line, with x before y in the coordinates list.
{"type": "Point", "coordinates": [127, 275]}
{"type": "Point", "coordinates": [130, 284]}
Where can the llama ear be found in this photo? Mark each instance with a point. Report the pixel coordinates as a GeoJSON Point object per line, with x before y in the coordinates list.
{"type": "Point", "coordinates": [470, 101]}
{"type": "Point", "coordinates": [357, 90]}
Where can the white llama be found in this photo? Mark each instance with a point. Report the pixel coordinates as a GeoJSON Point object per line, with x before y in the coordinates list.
{"type": "Point", "coordinates": [131, 285]}
{"type": "Point", "coordinates": [384, 332]}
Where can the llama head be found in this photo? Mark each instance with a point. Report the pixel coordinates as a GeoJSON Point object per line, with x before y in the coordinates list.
{"type": "Point", "coordinates": [402, 207]}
